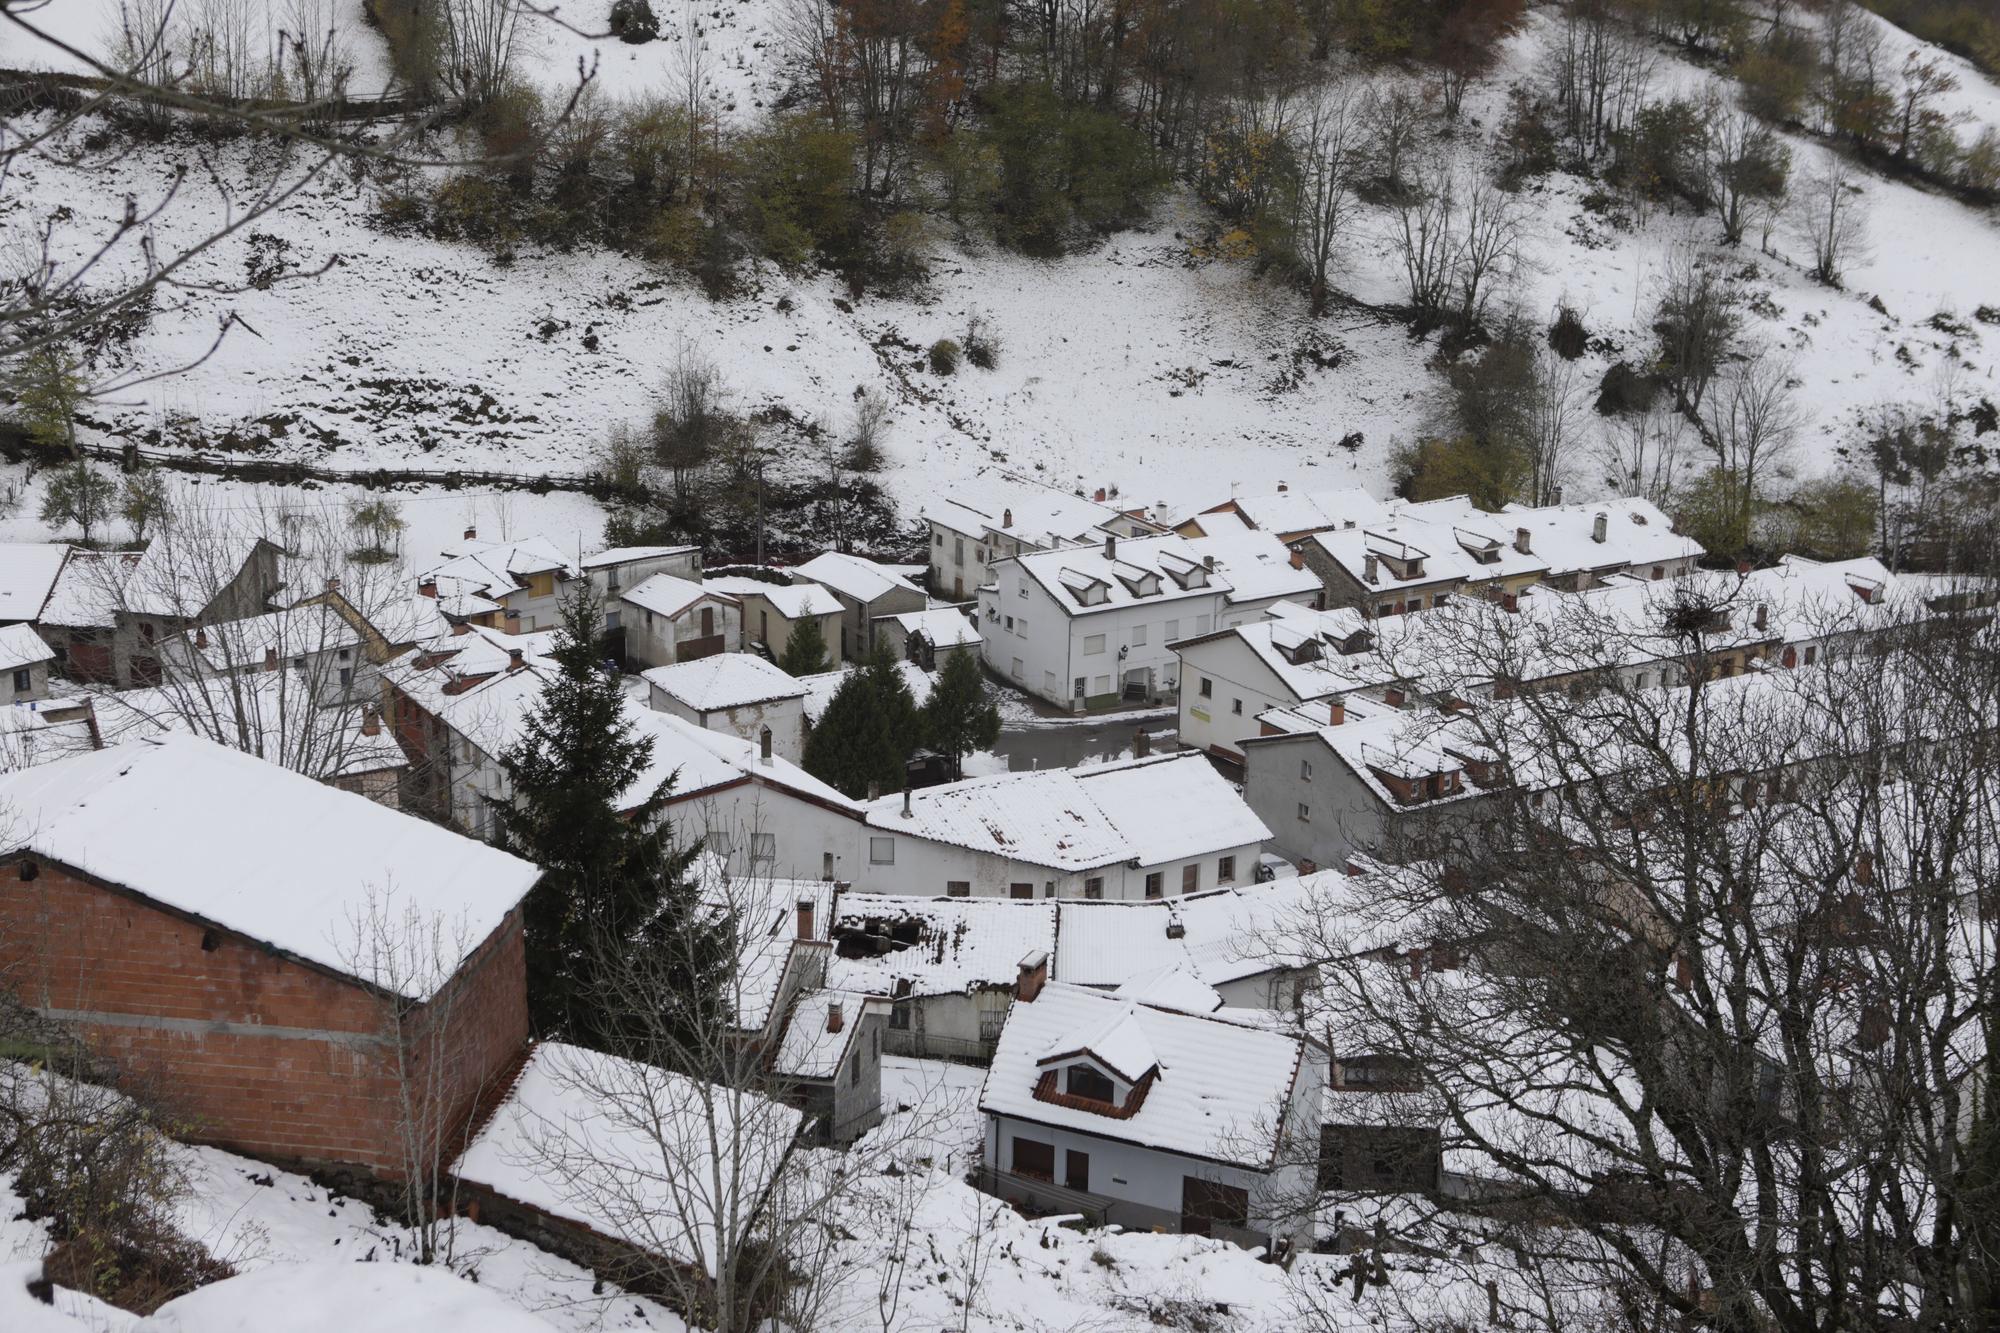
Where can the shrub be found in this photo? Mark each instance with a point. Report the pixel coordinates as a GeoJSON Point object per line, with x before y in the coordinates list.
{"type": "Point", "coordinates": [1567, 336]}
{"type": "Point", "coordinates": [473, 207]}
{"type": "Point", "coordinates": [1625, 389]}
{"type": "Point", "coordinates": [944, 356]}
{"type": "Point", "coordinates": [634, 21]}
{"type": "Point", "coordinates": [982, 345]}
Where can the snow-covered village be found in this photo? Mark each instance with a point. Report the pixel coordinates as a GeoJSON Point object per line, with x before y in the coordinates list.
{"type": "Point", "coordinates": [959, 666]}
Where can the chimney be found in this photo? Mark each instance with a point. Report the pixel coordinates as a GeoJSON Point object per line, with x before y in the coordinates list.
{"type": "Point", "coordinates": [1371, 569]}
{"type": "Point", "coordinates": [1763, 620]}
{"type": "Point", "coordinates": [1416, 964]}
{"type": "Point", "coordinates": [1336, 712]}
{"type": "Point", "coordinates": [1864, 867]}
{"type": "Point", "coordinates": [1100, 495]}
{"type": "Point", "coordinates": [1298, 558]}
{"type": "Point", "coordinates": [1598, 527]}
{"type": "Point", "coordinates": [513, 622]}
{"type": "Point", "coordinates": [1393, 696]}
{"type": "Point", "coordinates": [907, 812]}
{"type": "Point", "coordinates": [1176, 928]}
{"type": "Point", "coordinates": [201, 636]}
{"type": "Point", "coordinates": [270, 659]}
{"type": "Point", "coordinates": [1208, 563]}
{"type": "Point", "coordinates": [1283, 487]}
{"type": "Point", "coordinates": [835, 1019]}
{"type": "Point", "coordinates": [471, 533]}
{"type": "Point", "coordinates": [333, 583]}
{"type": "Point", "coordinates": [874, 791]}
{"type": "Point", "coordinates": [1742, 569]}
{"type": "Point", "coordinates": [1006, 518]}
{"type": "Point", "coordinates": [1032, 976]}
{"type": "Point", "coordinates": [764, 745]}
{"type": "Point", "coordinates": [460, 627]}
{"type": "Point", "coordinates": [514, 662]}
{"type": "Point", "coordinates": [1308, 866]}
{"type": "Point", "coordinates": [428, 588]}
{"type": "Point", "coordinates": [1110, 546]}
{"type": "Point", "coordinates": [1521, 541]}
{"type": "Point", "coordinates": [371, 723]}
{"type": "Point", "coordinates": [805, 918]}
{"type": "Point", "coordinates": [1142, 744]}
{"type": "Point", "coordinates": [1510, 602]}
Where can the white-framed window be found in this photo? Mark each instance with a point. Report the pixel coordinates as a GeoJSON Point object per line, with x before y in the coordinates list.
{"type": "Point", "coordinates": [1201, 625]}
{"type": "Point", "coordinates": [1100, 685]}
{"type": "Point", "coordinates": [1305, 770]}
{"type": "Point", "coordinates": [1225, 869]}
{"type": "Point", "coordinates": [881, 851]}
{"type": "Point", "coordinates": [1138, 636]}
{"type": "Point", "coordinates": [1021, 627]}
{"type": "Point", "coordinates": [1093, 887]}
{"type": "Point", "coordinates": [1173, 630]}
{"type": "Point", "coordinates": [764, 847]}
{"type": "Point", "coordinates": [1017, 669]}
{"type": "Point", "coordinates": [1093, 645]}
{"type": "Point", "coordinates": [1021, 591]}
{"type": "Point", "coordinates": [1236, 707]}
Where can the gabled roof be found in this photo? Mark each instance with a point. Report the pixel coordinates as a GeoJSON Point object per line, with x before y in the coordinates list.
{"type": "Point", "coordinates": [260, 713]}
{"type": "Point", "coordinates": [862, 579]}
{"type": "Point", "coordinates": [790, 600]}
{"type": "Point", "coordinates": [261, 851]}
{"type": "Point", "coordinates": [808, 1050]}
{"type": "Point", "coordinates": [233, 645]}
{"type": "Point", "coordinates": [1256, 566]}
{"type": "Point", "coordinates": [1635, 533]}
{"type": "Point", "coordinates": [627, 555]}
{"type": "Point", "coordinates": [28, 574]}
{"type": "Point", "coordinates": [87, 591]}
{"type": "Point", "coordinates": [1065, 572]}
{"type": "Point", "coordinates": [943, 627]}
{"type": "Point", "coordinates": [1308, 511]}
{"type": "Point", "coordinates": [1219, 1095]}
{"type": "Point", "coordinates": [941, 946]}
{"type": "Point", "coordinates": [1002, 504]}
{"type": "Point", "coordinates": [670, 595]}
{"type": "Point", "coordinates": [724, 680]}
{"type": "Point", "coordinates": [1171, 988]}
{"type": "Point", "coordinates": [497, 568]}
{"type": "Point", "coordinates": [1117, 1042]}
{"type": "Point", "coordinates": [20, 646]}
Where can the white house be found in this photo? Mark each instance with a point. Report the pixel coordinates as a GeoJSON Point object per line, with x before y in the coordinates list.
{"type": "Point", "coordinates": [28, 574]}
{"type": "Point", "coordinates": [1231, 676]}
{"type": "Point", "coordinates": [929, 637]}
{"type": "Point", "coordinates": [997, 515]}
{"type": "Point", "coordinates": [739, 694]}
{"type": "Point", "coordinates": [669, 619]}
{"type": "Point", "coordinates": [24, 664]}
{"type": "Point", "coordinates": [866, 591]}
{"type": "Point", "coordinates": [771, 611]}
{"type": "Point", "coordinates": [612, 571]}
{"type": "Point", "coordinates": [516, 586]}
{"type": "Point", "coordinates": [1142, 828]}
{"type": "Point", "coordinates": [1150, 1117]}
{"type": "Point", "coordinates": [1585, 543]}
{"type": "Point", "coordinates": [1285, 513]}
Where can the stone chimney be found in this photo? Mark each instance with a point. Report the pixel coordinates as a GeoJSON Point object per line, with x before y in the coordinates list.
{"type": "Point", "coordinates": [1393, 696]}
{"type": "Point", "coordinates": [1522, 540]}
{"type": "Point", "coordinates": [514, 659]}
{"type": "Point", "coordinates": [270, 659]}
{"type": "Point", "coordinates": [1510, 602]}
{"type": "Point", "coordinates": [874, 791]}
{"type": "Point", "coordinates": [371, 723]}
{"type": "Point", "coordinates": [1763, 620]}
{"type": "Point", "coordinates": [1371, 569]}
{"type": "Point", "coordinates": [1006, 518]}
{"type": "Point", "coordinates": [1110, 546]}
{"type": "Point", "coordinates": [1283, 487]}
{"type": "Point", "coordinates": [1298, 558]}
{"type": "Point", "coordinates": [835, 1018]}
{"type": "Point", "coordinates": [427, 588]}
{"type": "Point", "coordinates": [764, 745]}
{"type": "Point", "coordinates": [1032, 975]}
{"type": "Point", "coordinates": [471, 533]}
{"type": "Point", "coordinates": [1208, 563]}
{"type": "Point", "coordinates": [1600, 527]}
{"type": "Point", "coordinates": [805, 918]}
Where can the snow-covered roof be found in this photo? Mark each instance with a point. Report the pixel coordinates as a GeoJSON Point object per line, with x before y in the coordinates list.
{"type": "Point", "coordinates": [260, 850]}
{"type": "Point", "coordinates": [262, 714]}
{"type": "Point", "coordinates": [86, 592]}
{"type": "Point", "coordinates": [1304, 649]}
{"type": "Point", "coordinates": [995, 503]}
{"type": "Point", "coordinates": [1432, 556]}
{"type": "Point", "coordinates": [669, 595]}
{"type": "Point", "coordinates": [631, 1151]}
{"type": "Point", "coordinates": [864, 580]}
{"type": "Point", "coordinates": [20, 646]}
{"type": "Point", "coordinates": [180, 578]}
{"type": "Point", "coordinates": [497, 568]}
{"type": "Point", "coordinates": [790, 600]}
{"type": "Point", "coordinates": [943, 627]}
{"type": "Point", "coordinates": [1256, 566]}
{"type": "Point", "coordinates": [234, 645]}
{"type": "Point", "coordinates": [1117, 1041]}
{"type": "Point", "coordinates": [724, 680]}
{"type": "Point", "coordinates": [939, 946]}
{"type": "Point", "coordinates": [1171, 807]}
{"type": "Point", "coordinates": [1171, 988]}
{"type": "Point", "coordinates": [1636, 533]}
{"type": "Point", "coordinates": [28, 574]}
{"type": "Point", "coordinates": [627, 555]}
{"type": "Point", "coordinates": [1217, 936]}
{"type": "Point", "coordinates": [1290, 512]}
{"type": "Point", "coordinates": [1219, 1089]}
{"type": "Point", "coordinates": [821, 688]}
{"type": "Point", "coordinates": [809, 1049]}
{"type": "Point", "coordinates": [1172, 564]}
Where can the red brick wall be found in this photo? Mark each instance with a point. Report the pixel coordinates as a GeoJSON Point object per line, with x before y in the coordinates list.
{"type": "Point", "coordinates": [179, 1021]}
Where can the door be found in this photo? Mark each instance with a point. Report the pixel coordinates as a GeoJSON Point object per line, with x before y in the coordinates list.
{"type": "Point", "coordinates": [1207, 1203]}
{"type": "Point", "coordinates": [707, 621]}
{"type": "Point", "coordinates": [1076, 1169]}
{"type": "Point", "coordinates": [1034, 1159]}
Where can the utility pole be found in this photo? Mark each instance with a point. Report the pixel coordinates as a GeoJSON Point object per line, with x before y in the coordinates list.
{"type": "Point", "coordinates": [760, 513]}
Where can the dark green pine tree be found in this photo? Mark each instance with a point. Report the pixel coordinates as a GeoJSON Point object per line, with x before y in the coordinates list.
{"type": "Point", "coordinates": [870, 726]}
{"type": "Point", "coordinates": [613, 882]}
{"type": "Point", "coordinates": [960, 716]}
{"type": "Point", "coordinates": [805, 649]}
{"type": "Point", "coordinates": [900, 718]}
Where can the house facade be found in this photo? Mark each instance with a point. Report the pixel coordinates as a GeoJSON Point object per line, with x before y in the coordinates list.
{"type": "Point", "coordinates": [998, 516]}
{"type": "Point", "coordinates": [737, 694]}
{"type": "Point", "coordinates": [772, 611]}
{"type": "Point", "coordinates": [516, 586]}
{"type": "Point", "coordinates": [25, 660]}
{"type": "Point", "coordinates": [866, 590]}
{"type": "Point", "coordinates": [612, 572]}
{"type": "Point", "coordinates": [669, 619]}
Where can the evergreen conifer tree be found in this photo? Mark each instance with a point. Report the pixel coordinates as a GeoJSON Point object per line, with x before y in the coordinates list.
{"type": "Point", "coordinates": [905, 726]}
{"type": "Point", "coordinates": [960, 716]}
{"type": "Point", "coordinates": [613, 880]}
{"type": "Point", "coordinates": [805, 649]}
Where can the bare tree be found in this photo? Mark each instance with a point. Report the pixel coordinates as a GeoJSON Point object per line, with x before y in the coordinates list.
{"type": "Point", "coordinates": [1830, 218]}
{"type": "Point", "coordinates": [1552, 419]}
{"type": "Point", "coordinates": [1646, 453]}
{"type": "Point", "coordinates": [1458, 236]}
{"type": "Point", "coordinates": [1488, 246]}
{"type": "Point", "coordinates": [1747, 169]}
{"type": "Point", "coordinates": [1396, 123]}
{"type": "Point", "coordinates": [1752, 420]}
{"type": "Point", "coordinates": [1326, 144]}
{"type": "Point", "coordinates": [1597, 69]}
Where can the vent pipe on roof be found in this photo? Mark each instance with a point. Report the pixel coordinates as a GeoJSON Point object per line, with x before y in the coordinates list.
{"type": "Point", "coordinates": [1599, 527]}
{"type": "Point", "coordinates": [1522, 538]}
{"type": "Point", "coordinates": [907, 812]}
{"type": "Point", "coordinates": [1110, 546]}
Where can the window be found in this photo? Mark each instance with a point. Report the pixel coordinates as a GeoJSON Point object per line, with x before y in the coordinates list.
{"type": "Point", "coordinates": [1190, 877]}
{"type": "Point", "coordinates": [1812, 654]}
{"type": "Point", "coordinates": [1173, 630]}
{"type": "Point", "coordinates": [1034, 1159]}
{"type": "Point", "coordinates": [1093, 645]}
{"type": "Point", "coordinates": [899, 1016]}
{"type": "Point", "coordinates": [854, 1071]}
{"type": "Point", "coordinates": [1156, 884]}
{"type": "Point", "coordinates": [1201, 624]}
{"type": "Point", "coordinates": [1021, 591]}
{"type": "Point", "coordinates": [958, 550]}
{"type": "Point", "coordinates": [1083, 1081]}
{"type": "Point", "coordinates": [1236, 707]}
{"type": "Point", "coordinates": [1017, 668]}
{"type": "Point", "coordinates": [1021, 628]}
{"type": "Point", "coordinates": [958, 888]}
{"type": "Point", "coordinates": [1305, 770]}
{"type": "Point", "coordinates": [881, 851]}
{"type": "Point", "coordinates": [1010, 624]}
{"type": "Point", "coordinates": [764, 847]}
{"type": "Point", "coordinates": [940, 538]}
{"type": "Point", "coordinates": [1023, 891]}
{"type": "Point", "coordinates": [1207, 688]}
{"type": "Point", "coordinates": [1225, 869]}
{"type": "Point", "coordinates": [346, 677]}
{"type": "Point", "coordinates": [24, 679]}
{"type": "Point", "coordinates": [1093, 888]}
{"type": "Point", "coordinates": [146, 630]}
{"type": "Point", "coordinates": [1103, 685]}
{"type": "Point", "coordinates": [1138, 636]}
{"type": "Point", "coordinates": [1305, 813]}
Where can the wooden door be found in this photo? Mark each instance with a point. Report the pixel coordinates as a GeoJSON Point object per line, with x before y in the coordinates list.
{"type": "Point", "coordinates": [1076, 1169]}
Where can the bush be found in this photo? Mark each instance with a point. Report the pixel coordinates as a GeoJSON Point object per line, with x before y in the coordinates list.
{"type": "Point", "coordinates": [1568, 338]}
{"type": "Point", "coordinates": [944, 357]}
{"type": "Point", "coordinates": [634, 21]}
{"type": "Point", "coordinates": [472, 207]}
{"type": "Point", "coordinates": [797, 192]}
{"type": "Point", "coordinates": [982, 345]}
{"type": "Point", "coordinates": [1625, 389]}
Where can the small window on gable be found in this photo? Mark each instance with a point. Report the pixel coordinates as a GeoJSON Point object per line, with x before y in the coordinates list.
{"type": "Point", "coordinates": [1084, 1081]}
{"type": "Point", "coordinates": [1305, 813]}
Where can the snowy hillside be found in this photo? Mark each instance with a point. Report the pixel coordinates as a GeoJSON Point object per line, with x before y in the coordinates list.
{"type": "Point", "coordinates": [1136, 365]}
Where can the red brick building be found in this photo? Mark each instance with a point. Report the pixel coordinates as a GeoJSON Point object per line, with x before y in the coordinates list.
{"type": "Point", "coordinates": [255, 949]}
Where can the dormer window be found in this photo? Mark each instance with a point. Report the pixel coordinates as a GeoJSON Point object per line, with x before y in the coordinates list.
{"type": "Point", "coordinates": [1081, 1080]}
